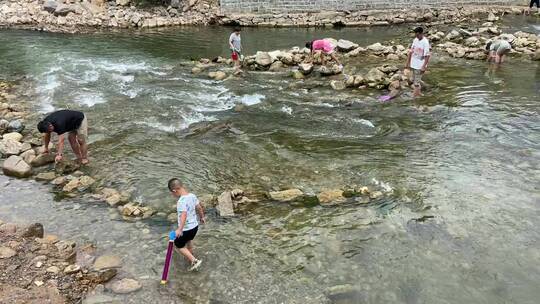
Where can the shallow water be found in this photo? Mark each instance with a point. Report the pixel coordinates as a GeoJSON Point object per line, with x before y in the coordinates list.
{"type": "Point", "coordinates": [466, 155]}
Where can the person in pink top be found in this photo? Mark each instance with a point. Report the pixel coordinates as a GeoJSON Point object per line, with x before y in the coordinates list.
{"type": "Point", "coordinates": [325, 47]}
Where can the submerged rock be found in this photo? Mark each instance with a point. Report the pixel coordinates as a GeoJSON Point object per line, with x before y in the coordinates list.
{"type": "Point", "coordinates": [286, 195]}
{"type": "Point", "coordinates": [305, 68]}
{"type": "Point", "coordinates": [46, 176]}
{"type": "Point", "coordinates": [225, 206]}
{"type": "Point", "coordinates": [42, 160]}
{"type": "Point", "coordinates": [297, 75]}
{"type": "Point", "coordinates": [331, 196]}
{"type": "Point", "coordinates": [125, 286]}
{"type": "Point", "coordinates": [107, 261]}
{"type": "Point", "coordinates": [219, 75]}
{"type": "Point", "coordinates": [338, 85]}
{"type": "Point", "coordinates": [17, 167]}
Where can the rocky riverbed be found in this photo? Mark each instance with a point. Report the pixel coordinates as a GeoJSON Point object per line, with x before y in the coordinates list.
{"type": "Point", "coordinates": [76, 15]}
{"type": "Point", "coordinates": [38, 267]}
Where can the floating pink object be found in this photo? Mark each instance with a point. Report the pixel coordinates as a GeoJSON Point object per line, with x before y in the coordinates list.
{"type": "Point", "coordinates": [384, 98]}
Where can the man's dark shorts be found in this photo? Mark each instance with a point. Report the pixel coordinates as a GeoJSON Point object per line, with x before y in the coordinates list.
{"type": "Point", "coordinates": [186, 236]}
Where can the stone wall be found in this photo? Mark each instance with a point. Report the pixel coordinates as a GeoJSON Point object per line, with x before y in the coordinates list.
{"type": "Point", "coordinates": [297, 6]}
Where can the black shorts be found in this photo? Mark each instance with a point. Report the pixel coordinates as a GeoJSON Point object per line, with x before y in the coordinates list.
{"type": "Point", "coordinates": [186, 236]}
{"type": "Point", "coordinates": [537, 2]}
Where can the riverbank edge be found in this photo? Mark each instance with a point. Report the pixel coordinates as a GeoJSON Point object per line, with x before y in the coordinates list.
{"type": "Point", "coordinates": [87, 17]}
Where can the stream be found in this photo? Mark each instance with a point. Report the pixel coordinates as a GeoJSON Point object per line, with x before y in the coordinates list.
{"type": "Point", "coordinates": [462, 224]}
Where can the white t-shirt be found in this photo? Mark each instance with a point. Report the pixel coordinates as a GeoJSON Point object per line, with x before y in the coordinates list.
{"type": "Point", "coordinates": [236, 41]}
{"type": "Point", "coordinates": [187, 203]}
{"type": "Point", "coordinates": [420, 49]}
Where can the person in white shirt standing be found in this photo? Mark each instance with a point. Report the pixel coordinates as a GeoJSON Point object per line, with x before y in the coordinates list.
{"type": "Point", "coordinates": [188, 208]}
{"type": "Point", "coordinates": [418, 59]}
{"type": "Point", "coordinates": [235, 44]}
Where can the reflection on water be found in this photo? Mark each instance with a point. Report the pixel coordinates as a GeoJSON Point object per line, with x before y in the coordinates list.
{"type": "Point", "coordinates": [460, 227]}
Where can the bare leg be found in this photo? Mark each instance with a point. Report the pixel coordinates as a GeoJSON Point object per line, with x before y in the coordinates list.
{"type": "Point", "coordinates": [417, 90]}
{"type": "Point", "coordinates": [187, 255]}
{"type": "Point", "coordinates": [72, 137]}
{"type": "Point", "coordinates": [189, 246]}
{"type": "Point", "coordinates": [84, 150]}
{"type": "Point", "coordinates": [323, 58]}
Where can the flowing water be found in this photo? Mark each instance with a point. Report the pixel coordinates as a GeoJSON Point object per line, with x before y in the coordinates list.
{"type": "Point", "coordinates": [461, 224]}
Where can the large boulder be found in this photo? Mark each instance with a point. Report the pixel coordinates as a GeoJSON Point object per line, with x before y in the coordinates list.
{"type": "Point", "coordinates": [17, 167]}
{"type": "Point", "coordinates": [286, 195]}
{"type": "Point", "coordinates": [346, 45]}
{"type": "Point", "coordinates": [50, 6]}
{"type": "Point", "coordinates": [375, 75]}
{"type": "Point", "coordinates": [10, 147]}
{"type": "Point", "coordinates": [263, 59]}
{"type": "Point", "coordinates": [225, 206]}
{"type": "Point", "coordinates": [42, 160]}
{"type": "Point", "coordinates": [64, 9]}
{"type": "Point", "coordinates": [16, 136]}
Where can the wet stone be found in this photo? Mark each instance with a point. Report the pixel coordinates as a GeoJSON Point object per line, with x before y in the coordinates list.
{"type": "Point", "coordinates": [6, 252]}
{"type": "Point", "coordinates": [125, 286]}
{"type": "Point", "coordinates": [33, 231]}
{"type": "Point", "coordinates": [107, 261]}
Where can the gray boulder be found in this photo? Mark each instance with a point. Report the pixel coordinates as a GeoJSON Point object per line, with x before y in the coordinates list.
{"type": "Point", "coordinates": [50, 6]}
{"type": "Point", "coordinates": [16, 126]}
{"type": "Point", "coordinates": [15, 166]}
{"type": "Point", "coordinates": [305, 68]}
{"type": "Point", "coordinates": [346, 45]}
{"type": "Point", "coordinates": [263, 59]}
{"type": "Point", "coordinates": [64, 9]}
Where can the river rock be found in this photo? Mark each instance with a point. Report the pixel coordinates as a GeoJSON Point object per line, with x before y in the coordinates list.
{"type": "Point", "coordinates": [72, 269]}
{"type": "Point", "coordinates": [393, 57]}
{"type": "Point", "coordinates": [64, 9]}
{"type": "Point", "coordinates": [276, 66]}
{"type": "Point", "coordinates": [339, 85]}
{"type": "Point", "coordinates": [107, 261]}
{"type": "Point", "coordinates": [329, 71]}
{"type": "Point", "coordinates": [472, 41]}
{"type": "Point", "coordinates": [66, 167]}
{"type": "Point", "coordinates": [225, 205]}
{"type": "Point", "coordinates": [8, 228]}
{"type": "Point", "coordinates": [453, 35]}
{"type": "Point", "coordinates": [103, 276]}
{"type": "Point", "coordinates": [59, 181]}
{"type": "Point", "coordinates": [85, 182]}
{"type": "Point", "coordinates": [16, 126]}
{"type": "Point", "coordinates": [218, 75]}
{"type": "Point", "coordinates": [263, 59]}
{"type": "Point", "coordinates": [175, 3]}
{"type": "Point", "coordinates": [376, 47]}
{"type": "Point", "coordinates": [33, 231]}
{"type": "Point", "coordinates": [4, 124]}
{"type": "Point", "coordinates": [53, 269]}
{"type": "Point", "coordinates": [10, 147]}
{"type": "Point", "coordinates": [123, 2]}
{"type": "Point", "coordinates": [375, 195]}
{"type": "Point", "coordinates": [297, 75]}
{"type": "Point", "coordinates": [286, 195]}
{"type": "Point", "coordinates": [50, 6]}
{"type": "Point", "coordinates": [331, 196]}
{"type": "Point", "coordinates": [46, 176]}
{"type": "Point", "coordinates": [6, 252]}
{"type": "Point", "coordinates": [346, 45]}
{"type": "Point", "coordinates": [15, 166]}
{"type": "Point", "coordinates": [305, 68]}
{"type": "Point", "coordinates": [42, 160]}
{"type": "Point", "coordinates": [172, 217]}
{"type": "Point", "coordinates": [125, 286]}
{"type": "Point", "coordinates": [375, 75]}
{"type": "Point", "coordinates": [492, 17]}
{"type": "Point", "coordinates": [16, 136]}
